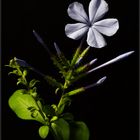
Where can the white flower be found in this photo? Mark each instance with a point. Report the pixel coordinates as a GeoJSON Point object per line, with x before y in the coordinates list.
{"type": "Point", "coordinates": [91, 25]}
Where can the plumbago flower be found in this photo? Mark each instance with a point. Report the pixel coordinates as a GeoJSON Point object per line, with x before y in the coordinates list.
{"type": "Point", "coordinates": [91, 25]}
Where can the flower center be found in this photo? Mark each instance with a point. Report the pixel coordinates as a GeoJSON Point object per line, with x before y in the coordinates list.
{"type": "Point", "coordinates": [89, 24]}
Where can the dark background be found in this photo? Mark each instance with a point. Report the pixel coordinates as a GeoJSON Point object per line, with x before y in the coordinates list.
{"type": "Point", "coordinates": [111, 110]}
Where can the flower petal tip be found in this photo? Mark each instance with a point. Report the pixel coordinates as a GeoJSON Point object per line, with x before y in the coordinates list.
{"type": "Point", "coordinates": [130, 52]}
{"type": "Point", "coordinates": [100, 81]}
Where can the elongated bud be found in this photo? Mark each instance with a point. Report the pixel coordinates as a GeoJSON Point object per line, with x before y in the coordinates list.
{"type": "Point", "coordinates": [83, 68]}
{"type": "Point", "coordinates": [100, 81]}
{"type": "Point", "coordinates": [38, 72]}
{"type": "Point", "coordinates": [82, 89]}
{"type": "Point", "coordinates": [25, 64]}
{"type": "Point", "coordinates": [57, 49]}
{"type": "Point", "coordinates": [82, 55]}
{"type": "Point", "coordinates": [21, 62]}
{"type": "Point", "coordinates": [120, 57]}
{"type": "Point", "coordinates": [40, 40]}
{"type": "Point", "coordinates": [76, 56]}
{"type": "Point", "coordinates": [92, 61]}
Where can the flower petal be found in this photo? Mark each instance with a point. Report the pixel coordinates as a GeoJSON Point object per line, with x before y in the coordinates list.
{"type": "Point", "coordinates": [76, 11]}
{"type": "Point", "coordinates": [76, 31]}
{"type": "Point", "coordinates": [107, 27]}
{"type": "Point", "coordinates": [95, 39]}
{"type": "Point", "coordinates": [102, 9]}
{"type": "Point", "coordinates": [93, 7]}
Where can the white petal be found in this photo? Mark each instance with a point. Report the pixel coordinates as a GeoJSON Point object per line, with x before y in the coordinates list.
{"type": "Point", "coordinates": [107, 27]}
{"type": "Point", "coordinates": [102, 9]}
{"type": "Point", "coordinates": [95, 39]}
{"type": "Point", "coordinates": [76, 11]}
{"type": "Point", "coordinates": [93, 7]}
{"type": "Point", "coordinates": [76, 31]}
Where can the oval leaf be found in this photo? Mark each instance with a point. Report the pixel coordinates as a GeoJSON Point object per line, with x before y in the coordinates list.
{"type": "Point", "coordinates": [43, 131]}
{"type": "Point", "coordinates": [79, 131]}
{"type": "Point", "coordinates": [23, 105]}
{"type": "Point", "coordinates": [61, 129]}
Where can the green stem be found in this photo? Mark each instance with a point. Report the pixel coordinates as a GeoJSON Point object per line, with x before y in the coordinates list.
{"type": "Point", "coordinates": [61, 99]}
{"type": "Point", "coordinates": [67, 84]}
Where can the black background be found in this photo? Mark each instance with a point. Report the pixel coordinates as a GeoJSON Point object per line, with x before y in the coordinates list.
{"type": "Point", "coordinates": [111, 110]}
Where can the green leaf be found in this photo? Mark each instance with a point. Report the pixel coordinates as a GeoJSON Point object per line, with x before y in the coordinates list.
{"type": "Point", "coordinates": [25, 73]}
{"type": "Point", "coordinates": [54, 118]}
{"type": "Point", "coordinates": [33, 92]}
{"type": "Point", "coordinates": [13, 63]}
{"type": "Point", "coordinates": [21, 103]}
{"type": "Point", "coordinates": [21, 80]}
{"type": "Point", "coordinates": [16, 72]}
{"type": "Point", "coordinates": [32, 83]}
{"type": "Point", "coordinates": [54, 107]}
{"type": "Point", "coordinates": [43, 131]}
{"type": "Point", "coordinates": [79, 131]}
{"type": "Point", "coordinates": [60, 129]}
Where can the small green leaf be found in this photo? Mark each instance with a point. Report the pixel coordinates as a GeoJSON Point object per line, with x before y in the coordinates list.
{"type": "Point", "coordinates": [24, 73]}
{"type": "Point", "coordinates": [16, 72]}
{"type": "Point", "coordinates": [33, 92]}
{"type": "Point", "coordinates": [54, 107]}
{"type": "Point", "coordinates": [79, 131]}
{"type": "Point", "coordinates": [61, 129]}
{"type": "Point", "coordinates": [21, 81]}
{"type": "Point", "coordinates": [43, 131]}
{"type": "Point", "coordinates": [13, 63]}
{"type": "Point", "coordinates": [54, 118]}
{"type": "Point", "coordinates": [34, 113]}
{"type": "Point", "coordinates": [22, 103]}
{"type": "Point", "coordinates": [56, 91]}
{"type": "Point", "coordinates": [32, 83]}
